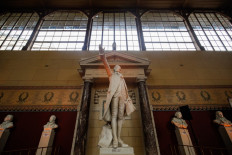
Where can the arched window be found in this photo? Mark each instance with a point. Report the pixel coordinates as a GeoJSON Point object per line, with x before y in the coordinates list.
{"type": "Point", "coordinates": [213, 31]}
{"type": "Point", "coordinates": [165, 31]}
{"type": "Point", "coordinates": [120, 28]}
{"type": "Point", "coordinates": [15, 29]}
{"type": "Point", "coordinates": [62, 30]}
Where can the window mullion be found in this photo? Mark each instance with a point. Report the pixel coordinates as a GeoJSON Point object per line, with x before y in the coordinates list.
{"type": "Point", "coordinates": [5, 21]}
{"type": "Point", "coordinates": [215, 31]}
{"type": "Point", "coordinates": [203, 31]}
{"type": "Point", "coordinates": [22, 30]}
{"type": "Point", "coordinates": [222, 25]}
{"type": "Point", "coordinates": [88, 33]}
{"type": "Point", "coordinates": [11, 30]}
{"type": "Point", "coordinates": [34, 34]}
{"type": "Point", "coordinates": [125, 31]}
{"type": "Point", "coordinates": [102, 28]}
{"type": "Point", "coordinates": [114, 29]}
{"type": "Point", "coordinates": [140, 33]}
{"type": "Point", "coordinates": [192, 34]}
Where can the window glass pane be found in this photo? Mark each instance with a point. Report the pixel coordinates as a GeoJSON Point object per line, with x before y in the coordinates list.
{"type": "Point", "coordinates": [165, 31]}
{"type": "Point", "coordinates": [62, 30]}
{"type": "Point", "coordinates": [16, 29]}
{"type": "Point", "coordinates": [120, 28]}
{"type": "Point", "coordinates": [213, 30]}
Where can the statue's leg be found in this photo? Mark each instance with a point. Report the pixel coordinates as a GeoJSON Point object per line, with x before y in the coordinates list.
{"type": "Point", "coordinates": [114, 111]}
{"type": "Point", "coordinates": [121, 110]}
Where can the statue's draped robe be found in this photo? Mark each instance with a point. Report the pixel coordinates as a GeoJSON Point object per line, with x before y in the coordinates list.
{"type": "Point", "coordinates": [117, 88]}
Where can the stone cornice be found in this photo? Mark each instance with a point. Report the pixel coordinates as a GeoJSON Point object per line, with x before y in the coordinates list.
{"type": "Point", "coordinates": [200, 107]}
{"type": "Point", "coordinates": [38, 108]}
{"type": "Point", "coordinates": [187, 86]}
{"type": "Point", "coordinates": [39, 87]}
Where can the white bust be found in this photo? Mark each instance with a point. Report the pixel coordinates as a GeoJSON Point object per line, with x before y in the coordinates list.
{"type": "Point", "coordinates": [51, 123]}
{"type": "Point", "coordinates": [221, 120]}
{"type": "Point", "coordinates": [178, 121]}
{"type": "Point", "coordinates": [7, 122]}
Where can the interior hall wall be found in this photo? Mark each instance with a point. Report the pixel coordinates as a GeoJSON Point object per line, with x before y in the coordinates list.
{"type": "Point", "coordinates": [28, 127]}
{"type": "Point", "coordinates": [203, 129]}
{"type": "Point", "coordinates": [59, 68]}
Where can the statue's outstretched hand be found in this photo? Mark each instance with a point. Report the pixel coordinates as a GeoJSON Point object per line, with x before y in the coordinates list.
{"type": "Point", "coordinates": [101, 50]}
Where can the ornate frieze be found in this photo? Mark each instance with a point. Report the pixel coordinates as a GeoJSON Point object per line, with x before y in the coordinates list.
{"type": "Point", "coordinates": [39, 98]}
{"type": "Point", "coordinates": [198, 97]}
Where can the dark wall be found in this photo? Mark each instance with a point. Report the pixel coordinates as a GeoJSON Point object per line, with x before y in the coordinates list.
{"type": "Point", "coordinates": [203, 132]}
{"type": "Point", "coordinates": [28, 127]}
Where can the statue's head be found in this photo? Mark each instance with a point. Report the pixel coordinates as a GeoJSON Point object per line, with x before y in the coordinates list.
{"type": "Point", "coordinates": [219, 114]}
{"type": "Point", "coordinates": [9, 118]}
{"type": "Point", "coordinates": [117, 68]}
{"type": "Point", "coordinates": [52, 118]}
{"type": "Point", "coordinates": [178, 114]}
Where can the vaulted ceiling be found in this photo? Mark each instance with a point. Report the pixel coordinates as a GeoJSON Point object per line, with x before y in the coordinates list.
{"type": "Point", "coordinates": [84, 4]}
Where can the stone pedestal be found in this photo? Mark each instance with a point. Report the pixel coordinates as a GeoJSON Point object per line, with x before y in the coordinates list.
{"type": "Point", "coordinates": [184, 138]}
{"type": "Point", "coordinates": [4, 134]}
{"type": "Point", "coordinates": [117, 151]}
{"type": "Point", "coordinates": [226, 134]}
{"type": "Point", "coordinates": [46, 141]}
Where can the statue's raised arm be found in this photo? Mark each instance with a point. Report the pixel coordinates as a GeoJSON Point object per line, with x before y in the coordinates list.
{"type": "Point", "coordinates": [104, 60]}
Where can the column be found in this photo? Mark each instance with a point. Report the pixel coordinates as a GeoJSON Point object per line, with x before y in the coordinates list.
{"type": "Point", "coordinates": [82, 128]}
{"type": "Point", "coordinates": [148, 128]}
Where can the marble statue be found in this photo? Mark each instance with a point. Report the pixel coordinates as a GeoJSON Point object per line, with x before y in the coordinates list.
{"type": "Point", "coordinates": [51, 123]}
{"type": "Point", "coordinates": [118, 103]}
{"type": "Point", "coordinates": [221, 120]}
{"type": "Point", "coordinates": [178, 121]}
{"type": "Point", "coordinates": [7, 122]}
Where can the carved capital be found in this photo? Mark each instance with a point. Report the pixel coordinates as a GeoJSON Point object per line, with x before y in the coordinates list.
{"type": "Point", "coordinates": [88, 79]}
{"type": "Point", "coordinates": [141, 79]}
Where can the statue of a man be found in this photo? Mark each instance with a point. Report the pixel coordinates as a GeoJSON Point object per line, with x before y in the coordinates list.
{"type": "Point", "coordinates": [7, 122]}
{"type": "Point", "coordinates": [51, 124]}
{"type": "Point", "coordinates": [118, 103]}
{"type": "Point", "coordinates": [221, 120]}
{"type": "Point", "coordinates": [178, 121]}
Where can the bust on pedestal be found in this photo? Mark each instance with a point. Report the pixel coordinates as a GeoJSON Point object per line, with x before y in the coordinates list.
{"type": "Point", "coordinates": [47, 137]}
{"type": "Point", "coordinates": [182, 135]}
{"type": "Point", "coordinates": [225, 130]}
{"type": "Point", "coordinates": [118, 105]}
{"type": "Point", "coordinates": [4, 130]}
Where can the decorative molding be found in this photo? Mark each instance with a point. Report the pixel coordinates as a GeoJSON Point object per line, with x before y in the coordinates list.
{"type": "Point", "coordinates": [132, 66]}
{"type": "Point", "coordinates": [39, 87]}
{"type": "Point", "coordinates": [187, 86]}
{"type": "Point", "coordinates": [189, 96]}
{"type": "Point", "coordinates": [196, 107]}
{"type": "Point", "coordinates": [41, 99]}
{"type": "Point", "coordinates": [38, 108]}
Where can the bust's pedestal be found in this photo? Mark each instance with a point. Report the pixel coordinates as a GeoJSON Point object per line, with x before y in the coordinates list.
{"type": "Point", "coordinates": [183, 138]}
{"type": "Point", "coordinates": [226, 134]}
{"type": "Point", "coordinates": [4, 134]}
{"type": "Point", "coordinates": [117, 151]}
{"type": "Point", "coordinates": [46, 141]}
